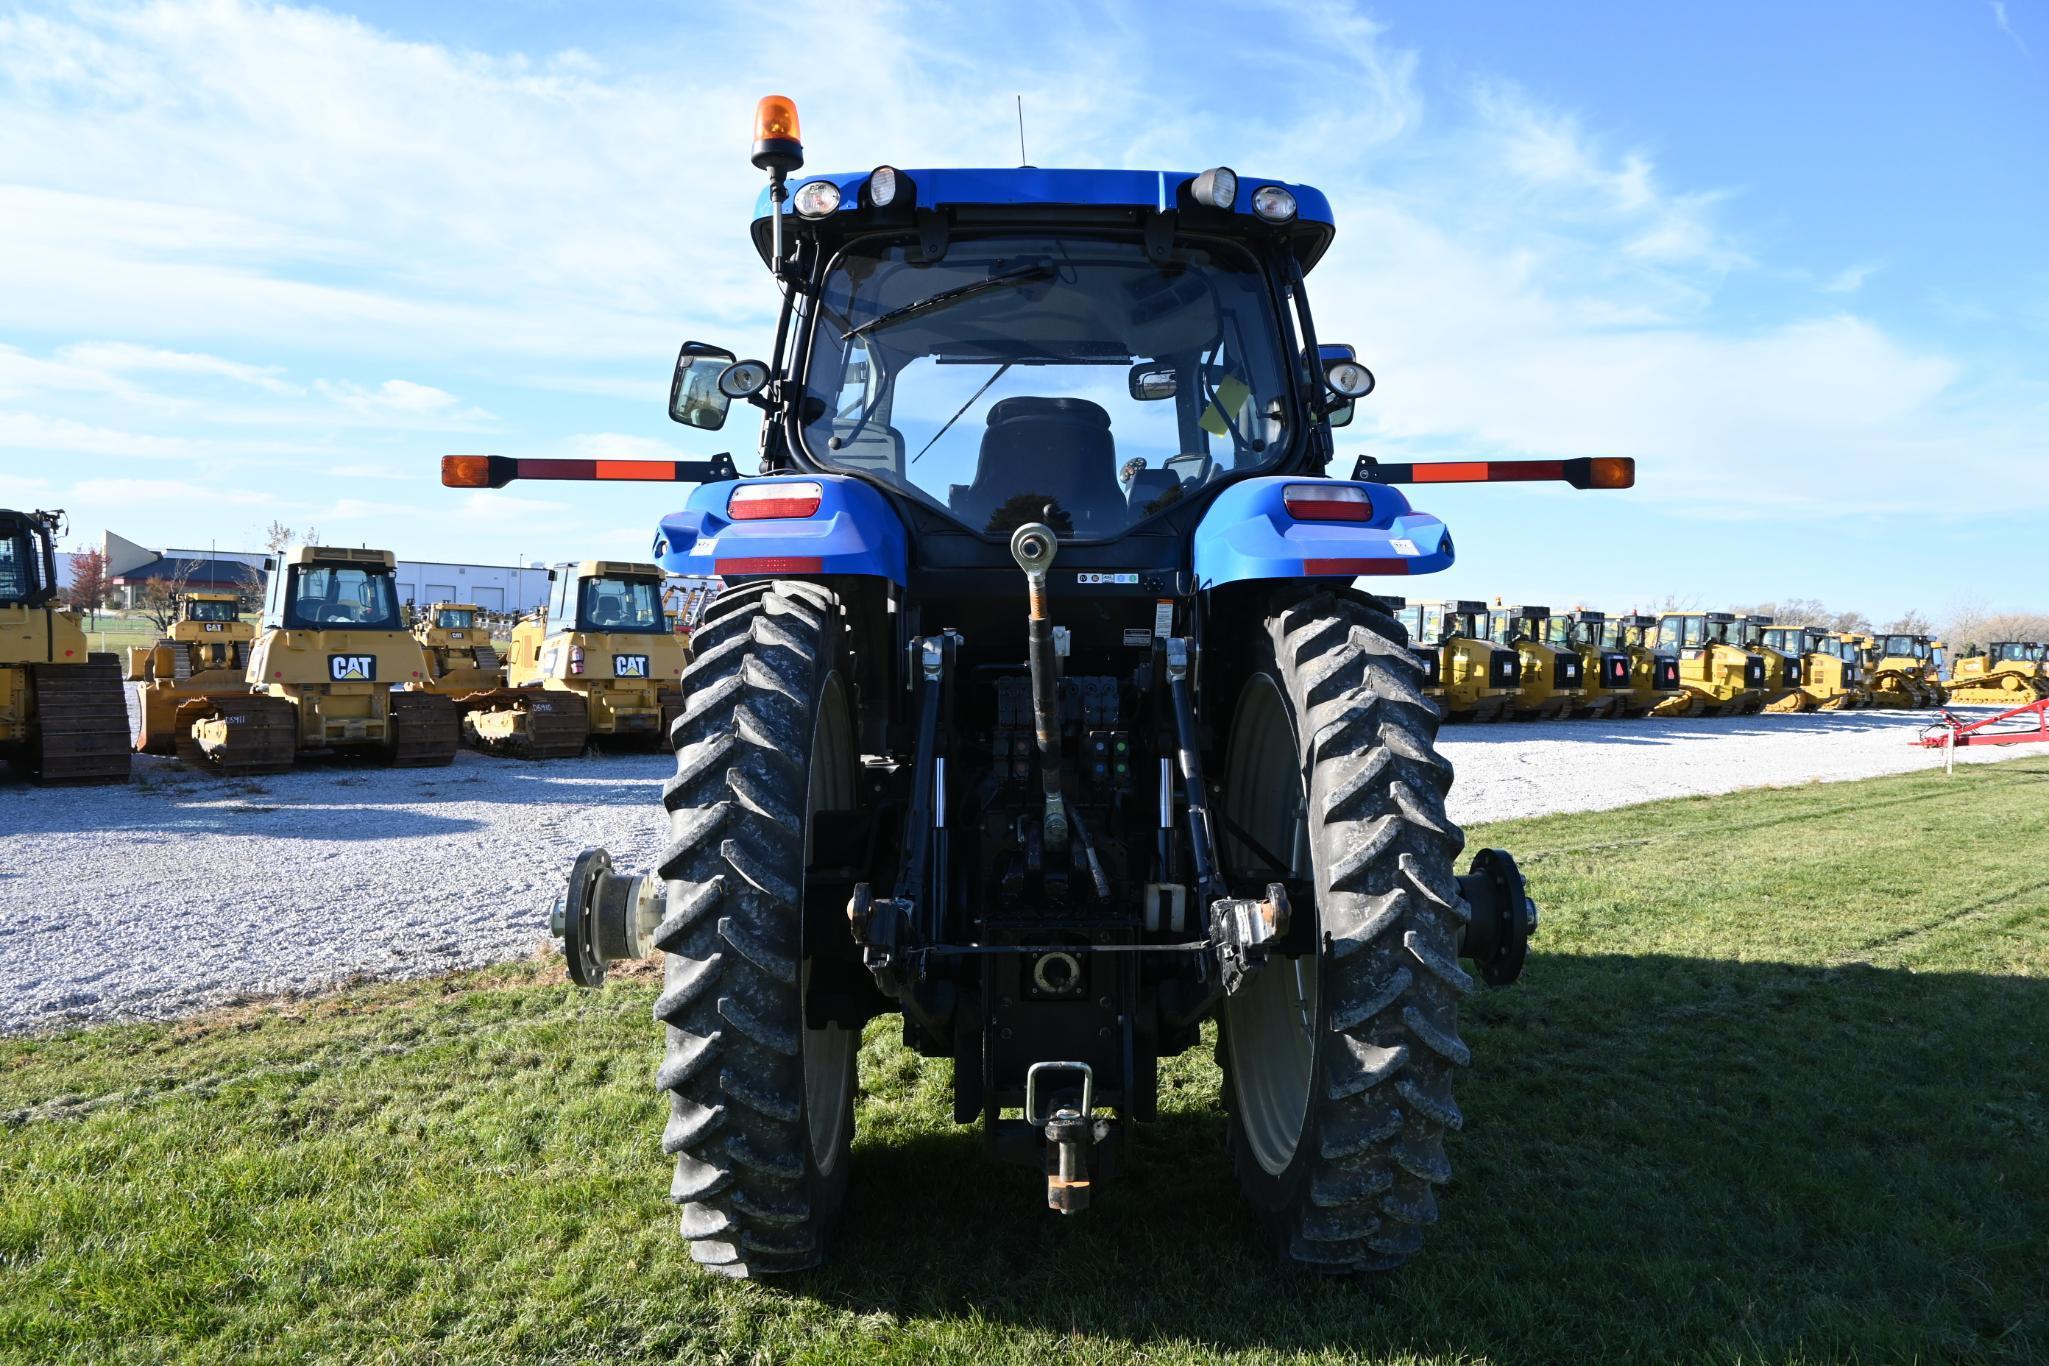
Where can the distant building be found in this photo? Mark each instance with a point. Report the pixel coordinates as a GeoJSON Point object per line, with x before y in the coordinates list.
{"type": "Point", "coordinates": [495, 588]}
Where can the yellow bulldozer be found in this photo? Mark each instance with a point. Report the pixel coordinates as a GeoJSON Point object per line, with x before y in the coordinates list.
{"type": "Point", "coordinates": [2005, 673]}
{"type": "Point", "coordinates": [61, 714]}
{"type": "Point", "coordinates": [600, 662]}
{"type": "Point", "coordinates": [1783, 650]}
{"type": "Point", "coordinates": [334, 670]}
{"type": "Point", "coordinates": [1718, 674]}
{"type": "Point", "coordinates": [1469, 677]}
{"type": "Point", "coordinates": [1653, 673]}
{"type": "Point", "coordinates": [1829, 674]}
{"type": "Point", "coordinates": [1604, 672]}
{"type": "Point", "coordinates": [1550, 680]}
{"type": "Point", "coordinates": [207, 635]}
{"type": "Point", "coordinates": [1899, 671]}
{"type": "Point", "coordinates": [460, 657]}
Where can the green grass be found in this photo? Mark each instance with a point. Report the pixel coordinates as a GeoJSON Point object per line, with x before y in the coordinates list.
{"type": "Point", "coordinates": [1776, 1087]}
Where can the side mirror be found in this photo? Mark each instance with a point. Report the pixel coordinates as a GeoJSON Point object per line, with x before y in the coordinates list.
{"type": "Point", "coordinates": [695, 397]}
{"type": "Point", "coordinates": [1152, 380]}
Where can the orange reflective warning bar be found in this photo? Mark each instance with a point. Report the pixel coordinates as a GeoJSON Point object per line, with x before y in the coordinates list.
{"type": "Point", "coordinates": [1597, 472]}
{"type": "Point", "coordinates": [496, 471]}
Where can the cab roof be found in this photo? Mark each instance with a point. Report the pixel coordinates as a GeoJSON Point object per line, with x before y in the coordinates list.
{"type": "Point", "coordinates": [1038, 187]}
{"type": "Point", "coordinates": [341, 554]}
{"type": "Point", "coordinates": [613, 569]}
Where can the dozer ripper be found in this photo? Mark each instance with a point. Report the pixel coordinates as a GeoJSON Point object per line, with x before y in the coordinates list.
{"type": "Point", "coordinates": [62, 719]}
{"type": "Point", "coordinates": [1551, 680]}
{"type": "Point", "coordinates": [1062, 739]}
{"type": "Point", "coordinates": [2005, 673]}
{"type": "Point", "coordinates": [1653, 674]}
{"type": "Point", "coordinates": [1718, 674]}
{"type": "Point", "coordinates": [334, 670]}
{"type": "Point", "coordinates": [1898, 671]}
{"type": "Point", "coordinates": [1603, 672]}
{"type": "Point", "coordinates": [1468, 676]}
{"type": "Point", "coordinates": [599, 662]}
{"type": "Point", "coordinates": [207, 636]}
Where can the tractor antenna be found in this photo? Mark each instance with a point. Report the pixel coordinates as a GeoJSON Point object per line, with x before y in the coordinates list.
{"type": "Point", "coordinates": [1022, 160]}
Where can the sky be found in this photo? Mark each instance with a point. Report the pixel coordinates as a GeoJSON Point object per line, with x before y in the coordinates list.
{"type": "Point", "coordinates": [268, 262]}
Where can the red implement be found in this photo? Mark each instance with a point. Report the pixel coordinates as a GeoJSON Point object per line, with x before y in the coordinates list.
{"type": "Point", "coordinates": [1954, 730]}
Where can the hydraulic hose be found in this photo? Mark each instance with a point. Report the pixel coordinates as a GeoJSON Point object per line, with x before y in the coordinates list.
{"type": "Point", "coordinates": [1033, 546]}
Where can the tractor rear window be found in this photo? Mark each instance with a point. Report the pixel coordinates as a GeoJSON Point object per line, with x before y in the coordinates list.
{"type": "Point", "coordinates": [342, 595]}
{"type": "Point", "coordinates": [612, 604]}
{"type": "Point", "coordinates": [1027, 377]}
{"type": "Point", "coordinates": [201, 609]}
{"type": "Point", "coordinates": [455, 618]}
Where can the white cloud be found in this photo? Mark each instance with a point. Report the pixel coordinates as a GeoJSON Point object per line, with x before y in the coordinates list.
{"type": "Point", "coordinates": [1848, 280]}
{"type": "Point", "coordinates": [402, 403]}
{"type": "Point", "coordinates": [126, 357]}
{"type": "Point", "coordinates": [2004, 25]}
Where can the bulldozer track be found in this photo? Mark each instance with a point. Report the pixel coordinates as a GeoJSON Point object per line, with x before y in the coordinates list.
{"type": "Point", "coordinates": [426, 729]}
{"type": "Point", "coordinates": [486, 658]}
{"type": "Point", "coordinates": [81, 723]}
{"type": "Point", "coordinates": [262, 734]}
{"type": "Point", "coordinates": [554, 725]}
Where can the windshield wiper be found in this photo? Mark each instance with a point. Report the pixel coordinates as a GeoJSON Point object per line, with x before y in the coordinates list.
{"type": "Point", "coordinates": [948, 296]}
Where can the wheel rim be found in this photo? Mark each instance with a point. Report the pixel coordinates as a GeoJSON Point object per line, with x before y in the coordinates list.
{"type": "Point", "coordinates": [828, 1052]}
{"type": "Point", "coordinates": [1270, 1025]}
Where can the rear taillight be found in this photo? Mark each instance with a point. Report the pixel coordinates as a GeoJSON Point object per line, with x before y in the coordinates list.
{"type": "Point", "coordinates": [1327, 502]}
{"type": "Point", "coordinates": [794, 498]}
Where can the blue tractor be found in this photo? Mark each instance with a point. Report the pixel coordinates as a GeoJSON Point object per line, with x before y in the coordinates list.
{"type": "Point", "coordinates": [1041, 708]}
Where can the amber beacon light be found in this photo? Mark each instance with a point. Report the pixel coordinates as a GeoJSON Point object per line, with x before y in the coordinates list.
{"type": "Point", "coordinates": [778, 140]}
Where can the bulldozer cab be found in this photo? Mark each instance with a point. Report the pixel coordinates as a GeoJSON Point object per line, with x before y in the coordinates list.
{"type": "Point", "coordinates": [1686, 634]}
{"type": "Point", "coordinates": [608, 598]}
{"type": "Point", "coordinates": [452, 618]}
{"type": "Point", "coordinates": [326, 588]}
{"type": "Point", "coordinates": [28, 558]}
{"type": "Point", "coordinates": [1514, 625]}
{"type": "Point", "coordinates": [211, 607]}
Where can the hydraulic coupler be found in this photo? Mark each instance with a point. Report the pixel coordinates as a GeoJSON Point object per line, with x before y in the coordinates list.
{"type": "Point", "coordinates": [1503, 917]}
{"type": "Point", "coordinates": [1032, 546]}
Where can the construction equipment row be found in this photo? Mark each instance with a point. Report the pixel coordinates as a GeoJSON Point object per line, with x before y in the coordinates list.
{"type": "Point", "coordinates": [1525, 662]}
{"type": "Point", "coordinates": [334, 670]}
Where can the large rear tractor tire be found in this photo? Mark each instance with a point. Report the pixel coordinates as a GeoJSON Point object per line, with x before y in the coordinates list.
{"type": "Point", "coordinates": [1338, 1064]}
{"type": "Point", "coordinates": [761, 1108]}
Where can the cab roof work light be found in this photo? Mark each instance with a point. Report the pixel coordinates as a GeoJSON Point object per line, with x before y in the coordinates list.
{"type": "Point", "coordinates": [1594, 472]}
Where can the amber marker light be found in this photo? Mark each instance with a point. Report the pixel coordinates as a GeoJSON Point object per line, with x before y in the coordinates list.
{"type": "Point", "coordinates": [778, 140]}
{"type": "Point", "coordinates": [1611, 472]}
{"type": "Point", "coordinates": [466, 471]}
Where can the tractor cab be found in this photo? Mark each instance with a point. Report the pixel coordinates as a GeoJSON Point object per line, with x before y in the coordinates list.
{"type": "Point", "coordinates": [1469, 677]}
{"type": "Point", "coordinates": [1552, 677]}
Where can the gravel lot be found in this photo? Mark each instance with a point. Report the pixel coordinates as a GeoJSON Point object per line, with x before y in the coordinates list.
{"type": "Point", "coordinates": [184, 890]}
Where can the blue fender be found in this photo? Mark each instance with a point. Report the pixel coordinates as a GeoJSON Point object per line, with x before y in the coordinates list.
{"type": "Point", "coordinates": [854, 531]}
{"type": "Point", "coordinates": [1248, 533]}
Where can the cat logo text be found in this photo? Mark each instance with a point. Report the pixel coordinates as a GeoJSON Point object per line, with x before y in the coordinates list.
{"type": "Point", "coordinates": [352, 668]}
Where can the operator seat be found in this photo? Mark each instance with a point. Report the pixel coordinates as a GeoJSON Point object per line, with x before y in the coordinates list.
{"type": "Point", "coordinates": [1056, 448]}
